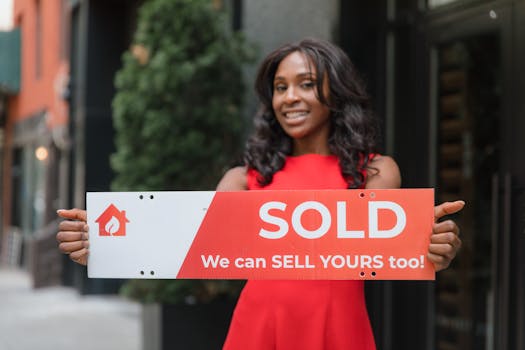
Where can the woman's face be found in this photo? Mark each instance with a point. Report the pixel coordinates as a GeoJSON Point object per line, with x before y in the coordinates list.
{"type": "Point", "coordinates": [296, 104]}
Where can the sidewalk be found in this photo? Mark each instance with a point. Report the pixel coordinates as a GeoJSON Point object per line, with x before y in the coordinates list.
{"type": "Point", "coordinates": [58, 318]}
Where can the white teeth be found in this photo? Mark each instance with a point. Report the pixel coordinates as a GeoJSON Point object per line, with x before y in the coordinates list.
{"type": "Point", "coordinates": [293, 115]}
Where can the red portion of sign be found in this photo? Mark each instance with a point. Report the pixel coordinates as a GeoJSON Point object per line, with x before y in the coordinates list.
{"type": "Point", "coordinates": [339, 234]}
{"type": "Point", "coordinates": [112, 222]}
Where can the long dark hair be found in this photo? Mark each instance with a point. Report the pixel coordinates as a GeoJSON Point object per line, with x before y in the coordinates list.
{"type": "Point", "coordinates": [353, 128]}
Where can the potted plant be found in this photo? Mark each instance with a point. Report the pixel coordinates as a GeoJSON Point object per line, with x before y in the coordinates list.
{"type": "Point", "coordinates": [177, 119]}
{"type": "Point", "coordinates": [185, 314]}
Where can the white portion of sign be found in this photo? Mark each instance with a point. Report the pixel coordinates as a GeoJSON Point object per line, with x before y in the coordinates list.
{"type": "Point", "coordinates": [160, 231]}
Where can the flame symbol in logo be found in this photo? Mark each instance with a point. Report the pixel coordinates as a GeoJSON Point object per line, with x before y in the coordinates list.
{"type": "Point", "coordinates": [112, 226]}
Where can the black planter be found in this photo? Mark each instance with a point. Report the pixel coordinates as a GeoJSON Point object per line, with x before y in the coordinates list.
{"type": "Point", "coordinates": [188, 327]}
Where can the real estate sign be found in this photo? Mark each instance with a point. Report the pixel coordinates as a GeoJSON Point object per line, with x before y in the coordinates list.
{"type": "Point", "coordinates": [325, 234]}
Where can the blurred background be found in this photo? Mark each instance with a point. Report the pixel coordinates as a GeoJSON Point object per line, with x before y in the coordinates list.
{"type": "Point", "coordinates": [88, 87]}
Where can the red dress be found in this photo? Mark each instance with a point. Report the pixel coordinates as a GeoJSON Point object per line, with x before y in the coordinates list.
{"type": "Point", "coordinates": [302, 315]}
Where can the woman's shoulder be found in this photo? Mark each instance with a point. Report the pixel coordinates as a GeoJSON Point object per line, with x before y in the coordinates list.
{"type": "Point", "coordinates": [234, 180]}
{"type": "Point", "coordinates": [383, 172]}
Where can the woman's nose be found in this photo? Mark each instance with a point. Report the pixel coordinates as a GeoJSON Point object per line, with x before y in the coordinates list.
{"type": "Point", "coordinates": [291, 95]}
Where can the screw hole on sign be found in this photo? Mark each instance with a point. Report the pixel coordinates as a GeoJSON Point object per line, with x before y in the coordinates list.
{"type": "Point", "coordinates": [141, 197]}
{"type": "Point", "coordinates": [362, 195]}
{"type": "Point", "coordinates": [362, 274]}
{"type": "Point", "coordinates": [142, 273]}
{"type": "Point", "coordinates": [372, 195]}
{"type": "Point", "coordinates": [151, 197]}
{"type": "Point", "coordinates": [152, 273]}
{"type": "Point", "coordinates": [373, 274]}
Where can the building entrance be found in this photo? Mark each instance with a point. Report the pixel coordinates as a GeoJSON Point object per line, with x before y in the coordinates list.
{"type": "Point", "coordinates": [468, 156]}
{"type": "Point", "coordinates": [469, 116]}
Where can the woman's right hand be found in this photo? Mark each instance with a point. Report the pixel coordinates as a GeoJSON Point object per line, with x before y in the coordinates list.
{"type": "Point", "coordinates": [72, 234]}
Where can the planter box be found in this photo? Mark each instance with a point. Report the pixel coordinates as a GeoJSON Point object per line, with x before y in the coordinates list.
{"type": "Point", "coordinates": [183, 326]}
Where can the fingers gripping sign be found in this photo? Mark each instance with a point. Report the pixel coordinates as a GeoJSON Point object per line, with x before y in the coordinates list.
{"type": "Point", "coordinates": [445, 241]}
{"type": "Point", "coordinates": [72, 235]}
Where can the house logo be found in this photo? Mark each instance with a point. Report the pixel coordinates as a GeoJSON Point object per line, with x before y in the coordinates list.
{"type": "Point", "coordinates": [112, 222]}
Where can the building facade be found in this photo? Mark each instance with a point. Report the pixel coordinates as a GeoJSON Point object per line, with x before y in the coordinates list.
{"type": "Point", "coordinates": [446, 83]}
{"type": "Point", "coordinates": [35, 130]}
{"type": "Point", "coordinates": [57, 128]}
{"type": "Point", "coordinates": [445, 80]}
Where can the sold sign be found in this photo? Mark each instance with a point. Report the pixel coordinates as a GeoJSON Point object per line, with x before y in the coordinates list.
{"type": "Point", "coordinates": [326, 220]}
{"type": "Point", "coordinates": [325, 234]}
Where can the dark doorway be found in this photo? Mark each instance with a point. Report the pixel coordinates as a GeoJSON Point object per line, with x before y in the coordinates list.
{"type": "Point", "coordinates": [468, 157]}
{"type": "Point", "coordinates": [470, 96]}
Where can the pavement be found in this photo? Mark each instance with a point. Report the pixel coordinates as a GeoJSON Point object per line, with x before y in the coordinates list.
{"type": "Point", "coordinates": [59, 318]}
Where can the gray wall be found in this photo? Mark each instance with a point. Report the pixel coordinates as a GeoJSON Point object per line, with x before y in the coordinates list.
{"type": "Point", "coordinates": [271, 23]}
{"type": "Point", "coordinates": [274, 22]}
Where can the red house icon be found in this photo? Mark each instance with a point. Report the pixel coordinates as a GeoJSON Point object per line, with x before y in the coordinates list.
{"type": "Point", "coordinates": [112, 222]}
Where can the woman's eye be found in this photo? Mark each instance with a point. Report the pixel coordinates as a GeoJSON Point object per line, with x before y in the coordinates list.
{"type": "Point", "coordinates": [308, 84]}
{"type": "Point", "coordinates": [280, 88]}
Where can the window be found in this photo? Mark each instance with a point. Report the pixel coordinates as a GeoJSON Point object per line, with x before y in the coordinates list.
{"type": "Point", "coordinates": [38, 39]}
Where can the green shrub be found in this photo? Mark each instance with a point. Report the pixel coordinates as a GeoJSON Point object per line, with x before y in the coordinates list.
{"type": "Point", "coordinates": [177, 115]}
{"type": "Point", "coordinates": [177, 110]}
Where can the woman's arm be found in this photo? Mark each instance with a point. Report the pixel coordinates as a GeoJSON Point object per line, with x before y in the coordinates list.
{"type": "Point", "coordinates": [383, 172]}
{"type": "Point", "coordinates": [234, 180]}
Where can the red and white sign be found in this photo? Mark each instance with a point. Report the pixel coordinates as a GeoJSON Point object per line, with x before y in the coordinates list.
{"type": "Point", "coordinates": [325, 234]}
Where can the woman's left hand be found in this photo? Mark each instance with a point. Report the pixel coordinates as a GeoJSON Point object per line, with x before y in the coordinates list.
{"type": "Point", "coordinates": [444, 242]}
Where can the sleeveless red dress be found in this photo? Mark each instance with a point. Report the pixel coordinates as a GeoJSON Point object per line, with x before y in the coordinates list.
{"type": "Point", "coordinates": [302, 315]}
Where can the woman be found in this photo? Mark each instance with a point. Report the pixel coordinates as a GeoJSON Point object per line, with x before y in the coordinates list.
{"type": "Point", "coordinates": [314, 130]}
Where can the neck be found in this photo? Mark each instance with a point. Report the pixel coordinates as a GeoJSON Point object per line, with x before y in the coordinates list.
{"type": "Point", "coordinates": [300, 148]}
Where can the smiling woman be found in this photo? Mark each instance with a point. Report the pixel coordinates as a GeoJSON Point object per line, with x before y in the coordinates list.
{"type": "Point", "coordinates": [315, 77]}
{"type": "Point", "coordinates": [314, 131]}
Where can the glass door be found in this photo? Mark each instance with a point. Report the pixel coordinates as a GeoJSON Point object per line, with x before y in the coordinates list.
{"type": "Point", "coordinates": [468, 152]}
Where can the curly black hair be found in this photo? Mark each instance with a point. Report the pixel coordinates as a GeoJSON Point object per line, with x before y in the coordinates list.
{"type": "Point", "coordinates": [353, 128]}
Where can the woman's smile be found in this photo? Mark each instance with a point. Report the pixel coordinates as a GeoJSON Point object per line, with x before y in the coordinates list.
{"type": "Point", "coordinates": [295, 117]}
